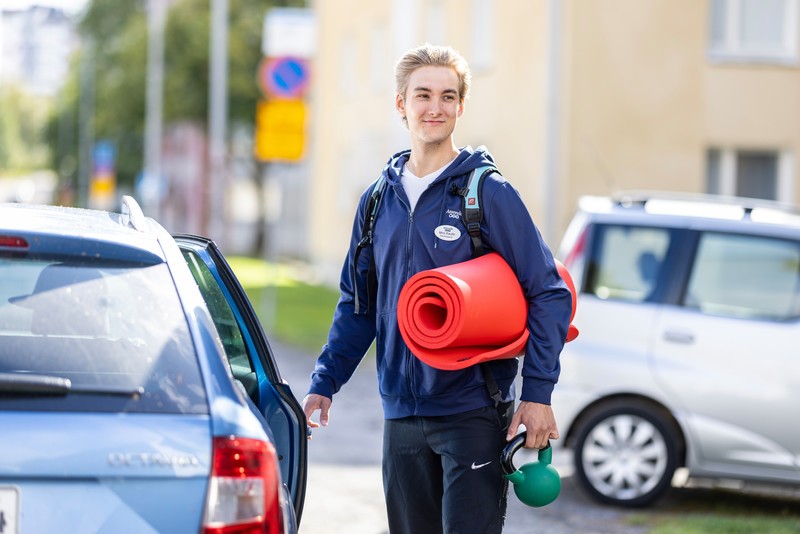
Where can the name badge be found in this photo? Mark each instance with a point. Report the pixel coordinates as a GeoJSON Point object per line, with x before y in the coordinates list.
{"type": "Point", "coordinates": [446, 232]}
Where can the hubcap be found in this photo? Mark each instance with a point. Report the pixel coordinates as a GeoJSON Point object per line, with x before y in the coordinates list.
{"type": "Point", "coordinates": [624, 457]}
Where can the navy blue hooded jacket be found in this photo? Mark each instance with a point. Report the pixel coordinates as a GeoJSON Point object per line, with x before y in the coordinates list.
{"type": "Point", "coordinates": [404, 243]}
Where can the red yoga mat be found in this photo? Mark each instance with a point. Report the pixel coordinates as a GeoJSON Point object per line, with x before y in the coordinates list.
{"type": "Point", "coordinates": [463, 314]}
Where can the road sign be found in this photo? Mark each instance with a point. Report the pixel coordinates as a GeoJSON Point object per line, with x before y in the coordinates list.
{"type": "Point", "coordinates": [103, 181]}
{"type": "Point", "coordinates": [289, 31]}
{"type": "Point", "coordinates": [283, 77]}
{"type": "Point", "coordinates": [280, 130]}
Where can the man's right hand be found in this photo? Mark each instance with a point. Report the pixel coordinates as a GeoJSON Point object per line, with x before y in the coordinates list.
{"type": "Point", "coordinates": [311, 404]}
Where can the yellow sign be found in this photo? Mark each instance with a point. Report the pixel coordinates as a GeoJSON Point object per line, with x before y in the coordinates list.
{"type": "Point", "coordinates": [280, 130]}
{"type": "Point", "coordinates": [102, 191]}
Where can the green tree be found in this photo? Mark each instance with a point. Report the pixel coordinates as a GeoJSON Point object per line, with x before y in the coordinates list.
{"type": "Point", "coordinates": [22, 123]}
{"type": "Point", "coordinates": [115, 38]}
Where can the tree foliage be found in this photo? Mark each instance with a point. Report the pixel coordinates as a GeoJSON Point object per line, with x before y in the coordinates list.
{"type": "Point", "coordinates": [113, 62]}
{"type": "Point", "coordinates": [22, 120]}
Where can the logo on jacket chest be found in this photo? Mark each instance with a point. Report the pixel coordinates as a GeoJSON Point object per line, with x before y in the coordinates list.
{"type": "Point", "coordinates": [446, 232]}
{"type": "Point", "coordinates": [453, 214]}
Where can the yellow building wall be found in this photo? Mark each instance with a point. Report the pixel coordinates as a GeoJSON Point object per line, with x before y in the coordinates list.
{"type": "Point", "coordinates": [752, 106]}
{"type": "Point", "coordinates": [635, 101]}
{"type": "Point", "coordinates": [352, 121]}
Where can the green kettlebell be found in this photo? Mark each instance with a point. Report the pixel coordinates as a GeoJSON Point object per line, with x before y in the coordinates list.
{"type": "Point", "coordinates": [535, 483]}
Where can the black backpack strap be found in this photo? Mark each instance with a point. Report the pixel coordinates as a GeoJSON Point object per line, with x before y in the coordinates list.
{"type": "Point", "coordinates": [366, 241]}
{"type": "Point", "coordinates": [491, 384]}
{"type": "Point", "coordinates": [472, 214]}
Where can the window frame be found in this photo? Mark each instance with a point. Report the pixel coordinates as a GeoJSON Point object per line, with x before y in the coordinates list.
{"type": "Point", "coordinates": [482, 43]}
{"type": "Point", "coordinates": [726, 171]}
{"type": "Point", "coordinates": [732, 48]}
{"type": "Point", "coordinates": [665, 287]}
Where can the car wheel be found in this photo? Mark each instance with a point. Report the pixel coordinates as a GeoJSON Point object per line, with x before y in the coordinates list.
{"type": "Point", "coordinates": [626, 454]}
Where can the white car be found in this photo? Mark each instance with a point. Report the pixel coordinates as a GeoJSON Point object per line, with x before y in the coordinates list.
{"type": "Point", "coordinates": [689, 313]}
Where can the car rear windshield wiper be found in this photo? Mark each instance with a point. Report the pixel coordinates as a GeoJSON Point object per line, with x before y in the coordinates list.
{"type": "Point", "coordinates": [35, 384]}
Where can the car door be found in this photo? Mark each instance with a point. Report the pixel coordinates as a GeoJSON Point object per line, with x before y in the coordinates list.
{"type": "Point", "coordinates": [726, 352]}
{"type": "Point", "coordinates": [617, 308]}
{"type": "Point", "coordinates": [251, 359]}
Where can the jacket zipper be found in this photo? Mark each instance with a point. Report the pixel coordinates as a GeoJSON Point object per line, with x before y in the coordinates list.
{"type": "Point", "coordinates": [409, 250]}
{"type": "Point", "coordinates": [410, 357]}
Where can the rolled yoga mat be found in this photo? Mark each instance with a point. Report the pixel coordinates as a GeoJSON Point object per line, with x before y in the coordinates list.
{"type": "Point", "coordinates": [459, 315]}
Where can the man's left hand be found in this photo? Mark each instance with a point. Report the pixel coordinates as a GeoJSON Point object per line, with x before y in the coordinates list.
{"type": "Point", "coordinates": [539, 422]}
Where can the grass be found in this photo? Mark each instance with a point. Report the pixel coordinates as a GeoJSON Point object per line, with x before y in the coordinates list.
{"type": "Point", "coordinates": [292, 310]}
{"type": "Point", "coordinates": [716, 524]}
{"type": "Point", "coordinates": [693, 511]}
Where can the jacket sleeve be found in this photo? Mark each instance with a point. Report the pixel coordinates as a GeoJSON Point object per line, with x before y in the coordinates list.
{"type": "Point", "coordinates": [511, 232]}
{"type": "Point", "coordinates": [350, 335]}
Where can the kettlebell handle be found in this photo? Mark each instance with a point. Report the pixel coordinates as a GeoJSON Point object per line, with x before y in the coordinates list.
{"type": "Point", "coordinates": [506, 459]}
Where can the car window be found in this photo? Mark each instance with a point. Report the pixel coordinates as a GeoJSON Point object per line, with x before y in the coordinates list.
{"type": "Point", "coordinates": [745, 276]}
{"type": "Point", "coordinates": [225, 320]}
{"type": "Point", "coordinates": [626, 261]}
{"type": "Point", "coordinates": [106, 327]}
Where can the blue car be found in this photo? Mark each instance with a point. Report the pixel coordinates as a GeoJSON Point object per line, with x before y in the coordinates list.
{"type": "Point", "coordinates": [138, 392]}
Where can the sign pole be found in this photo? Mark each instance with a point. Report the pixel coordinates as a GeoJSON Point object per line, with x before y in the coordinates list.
{"type": "Point", "coordinates": [217, 117]}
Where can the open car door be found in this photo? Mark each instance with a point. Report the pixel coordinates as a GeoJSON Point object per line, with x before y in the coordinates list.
{"type": "Point", "coordinates": [251, 360]}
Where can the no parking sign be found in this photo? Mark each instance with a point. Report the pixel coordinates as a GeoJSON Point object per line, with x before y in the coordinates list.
{"type": "Point", "coordinates": [283, 77]}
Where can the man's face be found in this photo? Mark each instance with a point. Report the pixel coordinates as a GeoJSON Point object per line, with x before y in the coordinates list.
{"type": "Point", "coordinates": [431, 103]}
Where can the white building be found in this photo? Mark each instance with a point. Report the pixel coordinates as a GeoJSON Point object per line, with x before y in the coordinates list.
{"type": "Point", "coordinates": [36, 44]}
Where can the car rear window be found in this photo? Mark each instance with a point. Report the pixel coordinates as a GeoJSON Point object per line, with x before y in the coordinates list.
{"type": "Point", "coordinates": [94, 336]}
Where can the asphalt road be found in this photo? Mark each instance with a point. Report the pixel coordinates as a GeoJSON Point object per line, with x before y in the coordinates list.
{"type": "Point", "coordinates": [345, 492]}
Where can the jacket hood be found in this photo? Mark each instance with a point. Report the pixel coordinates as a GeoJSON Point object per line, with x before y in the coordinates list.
{"type": "Point", "coordinates": [467, 160]}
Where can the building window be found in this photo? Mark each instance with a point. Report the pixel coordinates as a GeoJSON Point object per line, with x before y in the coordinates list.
{"type": "Point", "coordinates": [482, 53]}
{"type": "Point", "coordinates": [757, 174]}
{"type": "Point", "coordinates": [380, 71]}
{"type": "Point", "coordinates": [753, 30]}
{"type": "Point", "coordinates": [436, 30]}
{"type": "Point", "coordinates": [763, 174]}
{"type": "Point", "coordinates": [348, 61]}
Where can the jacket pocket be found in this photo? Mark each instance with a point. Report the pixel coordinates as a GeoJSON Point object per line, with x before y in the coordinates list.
{"type": "Point", "coordinates": [391, 358]}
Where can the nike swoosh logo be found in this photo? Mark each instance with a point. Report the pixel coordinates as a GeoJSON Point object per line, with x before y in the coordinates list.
{"type": "Point", "coordinates": [479, 465]}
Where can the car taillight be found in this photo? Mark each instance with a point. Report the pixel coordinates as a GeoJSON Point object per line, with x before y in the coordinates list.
{"type": "Point", "coordinates": [243, 493]}
{"type": "Point", "coordinates": [12, 241]}
{"type": "Point", "coordinates": [577, 250]}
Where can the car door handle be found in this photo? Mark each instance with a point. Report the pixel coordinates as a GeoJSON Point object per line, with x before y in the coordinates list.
{"type": "Point", "coordinates": [675, 336]}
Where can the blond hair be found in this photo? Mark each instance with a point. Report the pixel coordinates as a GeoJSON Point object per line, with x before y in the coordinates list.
{"type": "Point", "coordinates": [437, 56]}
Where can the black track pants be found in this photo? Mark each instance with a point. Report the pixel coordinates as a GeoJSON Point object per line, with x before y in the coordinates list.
{"type": "Point", "coordinates": [443, 474]}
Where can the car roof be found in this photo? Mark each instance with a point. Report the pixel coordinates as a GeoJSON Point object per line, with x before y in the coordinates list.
{"type": "Point", "coordinates": [103, 232]}
{"type": "Point", "coordinates": [696, 211]}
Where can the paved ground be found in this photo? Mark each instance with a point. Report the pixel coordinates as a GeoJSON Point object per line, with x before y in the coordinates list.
{"type": "Point", "coordinates": [345, 493]}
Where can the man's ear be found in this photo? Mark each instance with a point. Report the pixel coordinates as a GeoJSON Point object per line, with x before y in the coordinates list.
{"type": "Point", "coordinates": [460, 108]}
{"type": "Point", "coordinates": [400, 104]}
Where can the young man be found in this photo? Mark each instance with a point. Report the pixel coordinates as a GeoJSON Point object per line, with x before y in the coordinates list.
{"type": "Point", "coordinates": [443, 433]}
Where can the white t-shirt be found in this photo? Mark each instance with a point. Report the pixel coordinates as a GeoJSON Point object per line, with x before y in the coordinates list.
{"type": "Point", "coordinates": [414, 185]}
